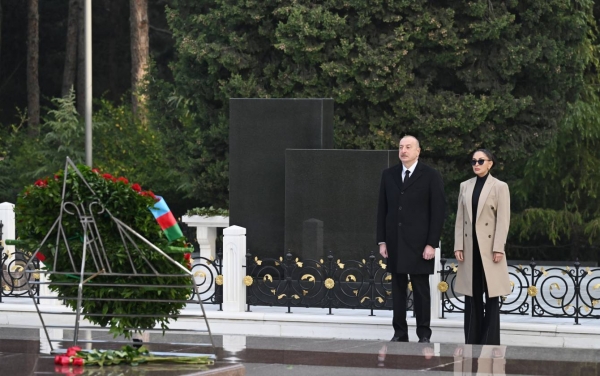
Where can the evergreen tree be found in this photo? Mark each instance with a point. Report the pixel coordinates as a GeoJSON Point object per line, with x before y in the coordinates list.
{"type": "Point", "coordinates": [458, 75]}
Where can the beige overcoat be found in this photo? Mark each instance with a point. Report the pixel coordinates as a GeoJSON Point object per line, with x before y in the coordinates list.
{"type": "Point", "coordinates": [493, 220]}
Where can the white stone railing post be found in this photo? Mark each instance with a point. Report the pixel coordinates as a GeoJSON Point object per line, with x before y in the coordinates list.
{"type": "Point", "coordinates": [7, 216]}
{"type": "Point", "coordinates": [234, 260]}
{"type": "Point", "coordinates": [434, 280]}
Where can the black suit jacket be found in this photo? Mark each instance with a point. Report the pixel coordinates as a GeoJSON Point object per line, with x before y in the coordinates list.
{"type": "Point", "coordinates": [410, 215]}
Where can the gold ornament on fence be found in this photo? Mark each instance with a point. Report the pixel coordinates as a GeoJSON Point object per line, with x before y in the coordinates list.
{"type": "Point", "coordinates": [329, 283]}
{"type": "Point", "coordinates": [200, 274]}
{"type": "Point", "coordinates": [443, 286]}
{"type": "Point", "coordinates": [219, 280]}
{"type": "Point", "coordinates": [248, 281]}
{"type": "Point", "coordinates": [409, 286]}
{"type": "Point", "coordinates": [532, 291]}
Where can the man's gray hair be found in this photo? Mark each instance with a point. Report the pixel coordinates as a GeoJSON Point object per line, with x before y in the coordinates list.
{"type": "Point", "coordinates": [413, 137]}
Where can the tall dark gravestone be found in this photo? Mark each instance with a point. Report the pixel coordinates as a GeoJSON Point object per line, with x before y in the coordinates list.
{"type": "Point", "coordinates": [331, 197]}
{"type": "Point", "coordinates": [260, 130]}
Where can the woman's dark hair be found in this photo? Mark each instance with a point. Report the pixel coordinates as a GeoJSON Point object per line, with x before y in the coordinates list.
{"type": "Point", "coordinates": [488, 154]}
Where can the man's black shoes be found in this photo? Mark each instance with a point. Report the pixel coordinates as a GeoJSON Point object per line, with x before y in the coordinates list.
{"type": "Point", "coordinates": [424, 340]}
{"type": "Point", "coordinates": [398, 339]}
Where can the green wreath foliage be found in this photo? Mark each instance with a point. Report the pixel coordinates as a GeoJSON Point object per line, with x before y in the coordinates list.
{"type": "Point", "coordinates": [36, 210]}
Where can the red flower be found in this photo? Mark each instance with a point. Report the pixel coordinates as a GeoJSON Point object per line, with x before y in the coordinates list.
{"type": "Point", "coordinates": [151, 194]}
{"type": "Point", "coordinates": [107, 176]}
{"type": "Point", "coordinates": [57, 359]}
{"type": "Point", "coordinates": [136, 187]}
{"type": "Point", "coordinates": [41, 183]}
{"type": "Point", "coordinates": [40, 256]}
{"type": "Point", "coordinates": [64, 360]}
{"type": "Point", "coordinates": [124, 180]}
{"type": "Point", "coordinates": [63, 370]}
{"type": "Point", "coordinates": [78, 362]}
{"type": "Point", "coordinates": [187, 256]}
{"type": "Point", "coordinates": [96, 170]}
{"type": "Point", "coordinates": [72, 351]}
{"type": "Point", "coordinates": [56, 177]}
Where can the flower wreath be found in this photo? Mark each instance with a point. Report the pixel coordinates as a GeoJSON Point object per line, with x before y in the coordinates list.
{"type": "Point", "coordinates": [36, 210]}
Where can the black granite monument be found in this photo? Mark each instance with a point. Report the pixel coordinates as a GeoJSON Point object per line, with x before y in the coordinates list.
{"type": "Point", "coordinates": [331, 201]}
{"type": "Point", "coordinates": [260, 130]}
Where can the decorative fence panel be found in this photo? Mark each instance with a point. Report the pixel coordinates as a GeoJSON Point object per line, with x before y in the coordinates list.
{"type": "Point", "coordinates": [16, 275]}
{"type": "Point", "coordinates": [567, 292]}
{"type": "Point", "coordinates": [208, 275]}
{"type": "Point", "coordinates": [329, 283]}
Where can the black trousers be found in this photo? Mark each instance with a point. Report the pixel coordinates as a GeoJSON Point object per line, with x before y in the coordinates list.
{"type": "Point", "coordinates": [482, 319]}
{"type": "Point", "coordinates": [422, 304]}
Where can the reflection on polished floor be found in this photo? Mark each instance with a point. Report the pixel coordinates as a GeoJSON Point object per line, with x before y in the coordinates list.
{"type": "Point", "coordinates": [23, 353]}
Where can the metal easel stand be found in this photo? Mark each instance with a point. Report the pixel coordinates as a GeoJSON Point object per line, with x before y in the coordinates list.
{"type": "Point", "coordinates": [84, 276]}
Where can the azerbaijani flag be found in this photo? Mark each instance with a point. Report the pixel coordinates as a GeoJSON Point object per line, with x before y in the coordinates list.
{"type": "Point", "coordinates": [165, 219]}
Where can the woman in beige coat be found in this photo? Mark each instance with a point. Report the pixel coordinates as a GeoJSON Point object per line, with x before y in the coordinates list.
{"type": "Point", "coordinates": [482, 222]}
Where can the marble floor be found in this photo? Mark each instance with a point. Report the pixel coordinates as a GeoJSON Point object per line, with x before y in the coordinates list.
{"type": "Point", "coordinates": [23, 352]}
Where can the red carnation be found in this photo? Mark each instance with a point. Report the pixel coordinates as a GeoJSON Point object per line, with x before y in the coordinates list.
{"type": "Point", "coordinates": [41, 183]}
{"type": "Point", "coordinates": [78, 362]}
{"type": "Point", "coordinates": [136, 187]}
{"type": "Point", "coordinates": [107, 176]}
{"type": "Point", "coordinates": [57, 359]}
{"type": "Point", "coordinates": [124, 180]}
{"type": "Point", "coordinates": [72, 351]}
{"type": "Point", "coordinates": [187, 256]}
{"type": "Point", "coordinates": [64, 360]}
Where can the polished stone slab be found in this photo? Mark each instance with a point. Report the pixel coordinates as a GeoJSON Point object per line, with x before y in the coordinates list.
{"type": "Point", "coordinates": [331, 202]}
{"type": "Point", "coordinates": [266, 356]}
{"type": "Point", "coordinates": [260, 130]}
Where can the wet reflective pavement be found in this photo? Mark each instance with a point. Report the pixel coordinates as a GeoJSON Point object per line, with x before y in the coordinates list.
{"type": "Point", "coordinates": [23, 353]}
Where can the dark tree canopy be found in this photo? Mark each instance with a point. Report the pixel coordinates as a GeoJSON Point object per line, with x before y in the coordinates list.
{"type": "Point", "coordinates": [458, 75]}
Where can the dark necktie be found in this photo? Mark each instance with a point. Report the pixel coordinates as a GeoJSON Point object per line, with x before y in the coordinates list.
{"type": "Point", "coordinates": [406, 176]}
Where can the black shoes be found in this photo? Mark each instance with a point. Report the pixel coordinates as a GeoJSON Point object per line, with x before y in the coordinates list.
{"type": "Point", "coordinates": [405, 339]}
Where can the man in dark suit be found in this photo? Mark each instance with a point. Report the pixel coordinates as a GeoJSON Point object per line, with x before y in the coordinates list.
{"type": "Point", "coordinates": [410, 216]}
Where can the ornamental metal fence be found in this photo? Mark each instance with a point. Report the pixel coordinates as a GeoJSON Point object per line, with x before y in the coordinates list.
{"type": "Point", "coordinates": [330, 283]}
{"type": "Point", "coordinates": [208, 276]}
{"type": "Point", "coordinates": [15, 274]}
{"type": "Point", "coordinates": [546, 291]}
